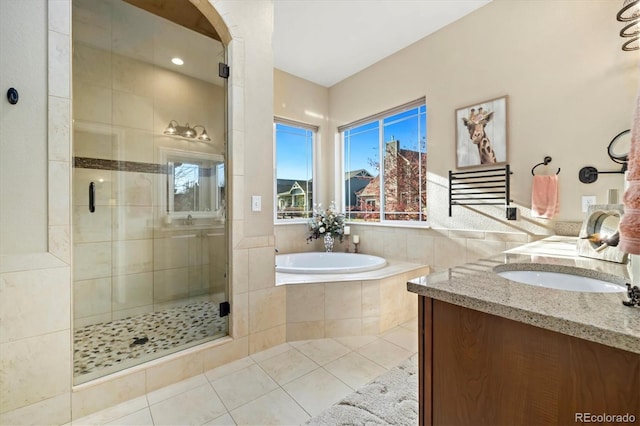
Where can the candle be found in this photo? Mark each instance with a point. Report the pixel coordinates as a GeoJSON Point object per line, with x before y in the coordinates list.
{"type": "Point", "coordinates": [347, 230]}
{"type": "Point", "coordinates": [356, 239]}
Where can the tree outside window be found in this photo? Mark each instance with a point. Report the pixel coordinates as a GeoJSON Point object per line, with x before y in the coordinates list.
{"type": "Point", "coordinates": [397, 190]}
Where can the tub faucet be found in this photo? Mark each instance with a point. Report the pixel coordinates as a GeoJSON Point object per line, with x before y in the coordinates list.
{"type": "Point", "coordinates": [188, 220]}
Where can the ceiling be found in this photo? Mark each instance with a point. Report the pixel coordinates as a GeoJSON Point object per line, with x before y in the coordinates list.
{"type": "Point", "coordinates": [326, 41]}
{"type": "Point", "coordinates": [126, 29]}
{"type": "Point", "coordinates": [323, 41]}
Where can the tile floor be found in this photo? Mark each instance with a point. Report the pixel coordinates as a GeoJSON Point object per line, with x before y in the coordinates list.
{"type": "Point", "coordinates": [284, 385]}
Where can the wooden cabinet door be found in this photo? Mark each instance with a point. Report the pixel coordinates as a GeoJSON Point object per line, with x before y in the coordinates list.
{"type": "Point", "coordinates": [488, 370]}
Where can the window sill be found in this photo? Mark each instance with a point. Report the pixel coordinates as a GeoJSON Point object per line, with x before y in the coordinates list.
{"type": "Point", "coordinates": [391, 224]}
{"type": "Point", "coordinates": [291, 222]}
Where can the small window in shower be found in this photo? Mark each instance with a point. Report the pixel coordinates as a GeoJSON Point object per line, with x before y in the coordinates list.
{"type": "Point", "coordinates": [195, 184]}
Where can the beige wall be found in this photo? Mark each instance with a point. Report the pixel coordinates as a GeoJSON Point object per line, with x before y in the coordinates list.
{"type": "Point", "coordinates": [301, 100]}
{"type": "Point", "coordinates": [570, 89]}
{"type": "Point", "coordinates": [23, 129]}
{"type": "Point", "coordinates": [35, 254]}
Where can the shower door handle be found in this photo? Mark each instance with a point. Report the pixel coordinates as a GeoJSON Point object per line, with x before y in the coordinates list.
{"type": "Point", "coordinates": [92, 197]}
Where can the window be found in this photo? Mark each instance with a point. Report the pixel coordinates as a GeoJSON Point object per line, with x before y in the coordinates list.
{"type": "Point", "coordinates": [385, 166]}
{"type": "Point", "coordinates": [294, 159]}
{"type": "Point", "coordinates": [195, 183]}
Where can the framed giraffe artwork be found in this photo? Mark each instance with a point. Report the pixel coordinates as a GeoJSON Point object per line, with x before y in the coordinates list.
{"type": "Point", "coordinates": [481, 134]}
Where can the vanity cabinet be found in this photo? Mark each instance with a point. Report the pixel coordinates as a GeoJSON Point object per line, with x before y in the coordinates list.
{"type": "Point", "coordinates": [481, 369]}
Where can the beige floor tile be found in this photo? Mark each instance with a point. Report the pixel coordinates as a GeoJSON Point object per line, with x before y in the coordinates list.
{"type": "Point", "coordinates": [176, 389]}
{"type": "Point", "coordinates": [271, 352]}
{"type": "Point", "coordinates": [249, 389]}
{"type": "Point", "coordinates": [139, 418]}
{"type": "Point", "coordinates": [403, 337]}
{"type": "Point", "coordinates": [226, 369]}
{"type": "Point", "coordinates": [224, 420]}
{"type": "Point", "coordinates": [355, 342]}
{"type": "Point", "coordinates": [288, 366]}
{"type": "Point", "coordinates": [112, 413]}
{"type": "Point", "coordinates": [298, 343]}
{"type": "Point", "coordinates": [354, 370]}
{"type": "Point", "coordinates": [194, 407]}
{"type": "Point", "coordinates": [245, 385]}
{"type": "Point", "coordinates": [274, 408]}
{"type": "Point", "coordinates": [323, 351]}
{"type": "Point", "coordinates": [411, 325]}
{"type": "Point", "coordinates": [317, 390]}
{"type": "Point", "coordinates": [384, 353]}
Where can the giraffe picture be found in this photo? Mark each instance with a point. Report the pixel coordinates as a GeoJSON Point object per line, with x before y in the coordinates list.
{"type": "Point", "coordinates": [481, 134]}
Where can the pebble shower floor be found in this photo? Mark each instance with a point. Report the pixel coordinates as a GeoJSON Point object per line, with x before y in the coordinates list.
{"type": "Point", "coordinates": [103, 345]}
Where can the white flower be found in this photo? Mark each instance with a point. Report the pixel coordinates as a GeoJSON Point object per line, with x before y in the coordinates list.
{"type": "Point", "coordinates": [321, 230]}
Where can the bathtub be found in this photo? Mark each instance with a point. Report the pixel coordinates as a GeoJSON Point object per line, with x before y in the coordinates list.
{"type": "Point", "coordinates": [327, 263]}
{"type": "Point", "coordinates": [323, 302]}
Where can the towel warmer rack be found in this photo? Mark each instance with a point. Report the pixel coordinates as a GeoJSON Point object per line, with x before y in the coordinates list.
{"type": "Point", "coordinates": [480, 187]}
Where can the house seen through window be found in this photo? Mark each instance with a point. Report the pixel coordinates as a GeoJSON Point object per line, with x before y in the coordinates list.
{"type": "Point", "coordinates": [385, 166]}
{"type": "Point", "coordinates": [294, 158]}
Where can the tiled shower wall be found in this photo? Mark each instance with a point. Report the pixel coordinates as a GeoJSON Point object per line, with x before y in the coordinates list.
{"type": "Point", "coordinates": [126, 261]}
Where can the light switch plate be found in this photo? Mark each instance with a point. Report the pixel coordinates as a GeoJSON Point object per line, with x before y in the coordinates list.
{"type": "Point", "coordinates": [256, 203]}
{"type": "Point", "coordinates": [588, 200]}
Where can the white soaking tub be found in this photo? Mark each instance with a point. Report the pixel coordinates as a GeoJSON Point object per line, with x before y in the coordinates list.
{"type": "Point", "coordinates": [327, 263]}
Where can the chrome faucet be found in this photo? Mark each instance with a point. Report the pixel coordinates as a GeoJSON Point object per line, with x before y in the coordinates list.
{"type": "Point", "coordinates": [188, 220]}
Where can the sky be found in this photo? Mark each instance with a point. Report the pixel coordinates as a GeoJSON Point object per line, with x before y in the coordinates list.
{"type": "Point", "coordinates": [294, 145]}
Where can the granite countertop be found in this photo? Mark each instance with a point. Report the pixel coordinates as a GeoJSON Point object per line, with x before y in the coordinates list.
{"type": "Point", "coordinates": [597, 317]}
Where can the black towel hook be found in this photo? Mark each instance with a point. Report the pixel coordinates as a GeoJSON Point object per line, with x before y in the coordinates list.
{"type": "Point", "coordinates": [546, 161]}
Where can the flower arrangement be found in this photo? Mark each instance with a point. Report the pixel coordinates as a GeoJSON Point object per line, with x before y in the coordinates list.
{"type": "Point", "coordinates": [326, 222]}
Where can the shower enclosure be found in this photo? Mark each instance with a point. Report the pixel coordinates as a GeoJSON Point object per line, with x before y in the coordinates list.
{"type": "Point", "coordinates": [149, 178]}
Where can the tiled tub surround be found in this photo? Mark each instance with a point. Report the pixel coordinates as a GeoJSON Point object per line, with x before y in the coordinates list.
{"type": "Point", "coordinates": [597, 317]}
{"type": "Point", "coordinates": [107, 347]}
{"type": "Point", "coordinates": [334, 305]}
{"type": "Point", "coordinates": [439, 248]}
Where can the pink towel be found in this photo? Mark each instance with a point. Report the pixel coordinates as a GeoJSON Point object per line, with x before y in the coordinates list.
{"type": "Point", "coordinates": [630, 223]}
{"type": "Point", "coordinates": [545, 202]}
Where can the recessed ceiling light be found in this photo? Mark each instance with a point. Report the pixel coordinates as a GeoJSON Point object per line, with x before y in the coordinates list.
{"type": "Point", "coordinates": [177, 61]}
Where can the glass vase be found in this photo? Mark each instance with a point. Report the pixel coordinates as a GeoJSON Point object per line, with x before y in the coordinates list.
{"type": "Point", "coordinates": [328, 242]}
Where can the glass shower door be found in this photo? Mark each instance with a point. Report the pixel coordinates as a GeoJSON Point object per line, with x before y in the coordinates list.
{"type": "Point", "coordinates": [149, 201]}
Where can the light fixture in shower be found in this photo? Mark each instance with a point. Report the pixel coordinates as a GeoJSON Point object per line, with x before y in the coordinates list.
{"type": "Point", "coordinates": [187, 131]}
{"type": "Point", "coordinates": [630, 14]}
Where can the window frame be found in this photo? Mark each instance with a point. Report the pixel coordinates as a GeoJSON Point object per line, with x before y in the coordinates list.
{"type": "Point", "coordinates": [340, 177]}
{"type": "Point", "coordinates": [314, 163]}
{"type": "Point", "coordinates": [168, 157]}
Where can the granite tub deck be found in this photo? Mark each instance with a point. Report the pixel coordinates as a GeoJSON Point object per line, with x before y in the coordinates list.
{"type": "Point", "coordinates": [597, 317]}
{"type": "Point", "coordinates": [363, 303]}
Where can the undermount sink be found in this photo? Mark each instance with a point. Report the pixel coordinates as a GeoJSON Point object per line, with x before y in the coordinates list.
{"type": "Point", "coordinates": [567, 278]}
